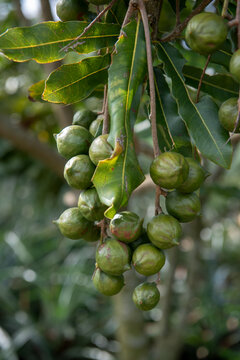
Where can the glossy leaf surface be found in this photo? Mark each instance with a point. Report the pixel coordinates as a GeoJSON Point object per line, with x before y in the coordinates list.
{"type": "Point", "coordinates": [35, 91]}
{"type": "Point", "coordinates": [172, 132]}
{"type": "Point", "coordinates": [201, 119]}
{"type": "Point", "coordinates": [44, 42]}
{"type": "Point", "coordinates": [219, 86]}
{"type": "Point", "coordinates": [117, 177]}
{"type": "Point", "coordinates": [74, 82]}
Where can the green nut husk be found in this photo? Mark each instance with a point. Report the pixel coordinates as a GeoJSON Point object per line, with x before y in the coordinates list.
{"type": "Point", "coordinates": [184, 207]}
{"type": "Point", "coordinates": [68, 10]}
{"type": "Point", "coordinates": [90, 205]}
{"type": "Point", "coordinates": [73, 140]}
{"type": "Point", "coordinates": [206, 32]}
{"type": "Point", "coordinates": [146, 296]}
{"type": "Point", "coordinates": [234, 65]}
{"type": "Point", "coordinates": [148, 260]}
{"type": "Point", "coordinates": [164, 231]}
{"type": "Point", "coordinates": [228, 114]}
{"type": "Point", "coordinates": [106, 284]}
{"type": "Point", "coordinates": [196, 177]}
{"type": "Point", "coordinates": [169, 170]}
{"type": "Point", "coordinates": [113, 257]}
{"type": "Point", "coordinates": [96, 126]}
{"type": "Point", "coordinates": [100, 149]}
{"type": "Point", "coordinates": [78, 172]}
{"type": "Point", "coordinates": [126, 226]}
{"type": "Point", "coordinates": [72, 224]}
{"type": "Point", "coordinates": [84, 118]}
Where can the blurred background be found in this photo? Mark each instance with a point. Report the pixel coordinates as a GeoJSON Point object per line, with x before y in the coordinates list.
{"type": "Point", "coordinates": [49, 308]}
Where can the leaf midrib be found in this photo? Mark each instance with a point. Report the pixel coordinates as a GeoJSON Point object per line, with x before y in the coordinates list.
{"type": "Point", "coordinates": [196, 109]}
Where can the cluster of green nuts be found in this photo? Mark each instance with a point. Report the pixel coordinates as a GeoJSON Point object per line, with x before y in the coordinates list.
{"type": "Point", "coordinates": [127, 242]}
{"type": "Point", "coordinates": [79, 145]}
{"type": "Point", "coordinates": [205, 33]}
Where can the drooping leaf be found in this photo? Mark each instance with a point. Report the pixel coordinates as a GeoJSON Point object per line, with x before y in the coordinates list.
{"type": "Point", "coordinates": [35, 91]}
{"type": "Point", "coordinates": [44, 42]}
{"type": "Point", "coordinates": [172, 132]}
{"type": "Point", "coordinates": [117, 177]}
{"type": "Point", "coordinates": [201, 119]}
{"type": "Point", "coordinates": [219, 86]}
{"type": "Point", "coordinates": [117, 12]}
{"type": "Point", "coordinates": [74, 82]}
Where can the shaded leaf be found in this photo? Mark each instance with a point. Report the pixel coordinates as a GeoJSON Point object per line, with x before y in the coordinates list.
{"type": "Point", "coordinates": [201, 119]}
{"type": "Point", "coordinates": [35, 91]}
{"type": "Point", "coordinates": [220, 86]}
{"type": "Point", "coordinates": [44, 42]}
{"type": "Point", "coordinates": [117, 177]}
{"type": "Point", "coordinates": [223, 55]}
{"type": "Point", "coordinates": [74, 82]}
{"type": "Point", "coordinates": [172, 133]}
{"type": "Point", "coordinates": [117, 12]}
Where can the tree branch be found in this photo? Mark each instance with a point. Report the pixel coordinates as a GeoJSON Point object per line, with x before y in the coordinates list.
{"type": "Point", "coordinates": [178, 29]}
{"type": "Point", "coordinates": [201, 78]}
{"type": "Point", "coordinates": [46, 10]}
{"type": "Point", "coordinates": [73, 43]}
{"type": "Point", "coordinates": [25, 141]}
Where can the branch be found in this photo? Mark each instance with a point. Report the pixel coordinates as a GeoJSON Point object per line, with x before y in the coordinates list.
{"type": "Point", "coordinates": [177, 12]}
{"type": "Point", "coordinates": [105, 129]}
{"type": "Point", "coordinates": [179, 28]}
{"type": "Point", "coordinates": [46, 10]}
{"type": "Point", "coordinates": [25, 141]}
{"type": "Point", "coordinates": [153, 114]}
{"type": "Point", "coordinates": [72, 43]}
{"type": "Point", "coordinates": [157, 17]}
{"type": "Point", "coordinates": [201, 78]}
{"type": "Point", "coordinates": [238, 22]}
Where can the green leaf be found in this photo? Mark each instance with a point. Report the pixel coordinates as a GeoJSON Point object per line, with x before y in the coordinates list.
{"type": "Point", "coordinates": [201, 119]}
{"type": "Point", "coordinates": [172, 132]}
{"type": "Point", "coordinates": [117, 177]}
{"type": "Point", "coordinates": [117, 12]}
{"type": "Point", "coordinates": [44, 42]}
{"type": "Point", "coordinates": [74, 82]}
{"type": "Point", "coordinates": [220, 86]}
{"type": "Point", "coordinates": [223, 55]}
{"type": "Point", "coordinates": [35, 91]}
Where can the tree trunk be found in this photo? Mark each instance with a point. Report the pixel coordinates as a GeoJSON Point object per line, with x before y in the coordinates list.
{"type": "Point", "coordinates": [131, 330]}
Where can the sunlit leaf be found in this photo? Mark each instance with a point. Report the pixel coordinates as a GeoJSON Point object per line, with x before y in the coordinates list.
{"type": "Point", "coordinates": [44, 42]}
{"type": "Point", "coordinates": [35, 91]}
{"type": "Point", "coordinates": [117, 177]}
{"type": "Point", "coordinates": [74, 82]}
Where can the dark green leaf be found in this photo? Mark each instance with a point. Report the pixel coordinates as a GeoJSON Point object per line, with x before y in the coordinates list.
{"type": "Point", "coordinates": [44, 42]}
{"type": "Point", "coordinates": [117, 13]}
{"type": "Point", "coordinates": [117, 177]}
{"type": "Point", "coordinates": [223, 55]}
{"type": "Point", "coordinates": [74, 82]}
{"type": "Point", "coordinates": [220, 86]}
{"type": "Point", "coordinates": [35, 91]}
{"type": "Point", "coordinates": [172, 133]}
{"type": "Point", "coordinates": [201, 119]}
